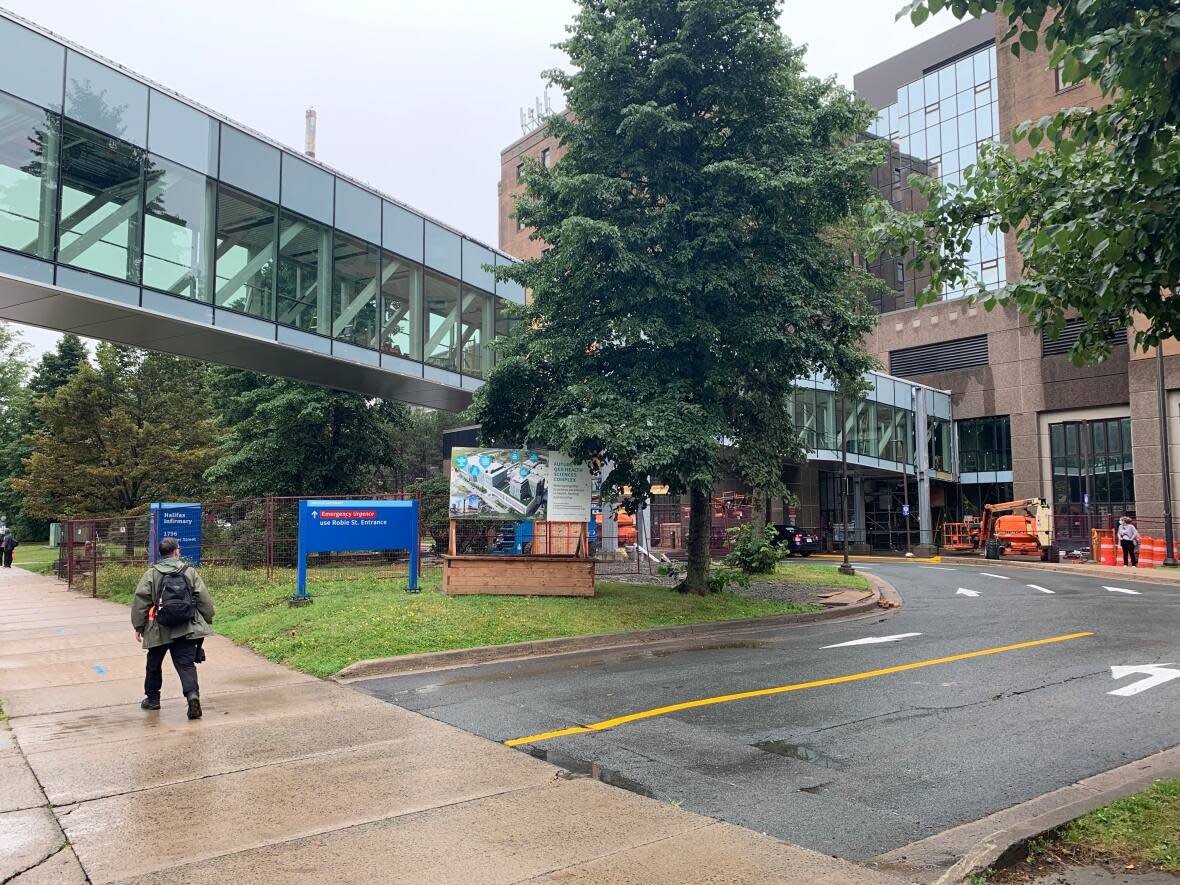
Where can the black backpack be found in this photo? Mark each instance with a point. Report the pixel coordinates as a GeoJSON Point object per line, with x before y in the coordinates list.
{"type": "Point", "coordinates": [176, 604]}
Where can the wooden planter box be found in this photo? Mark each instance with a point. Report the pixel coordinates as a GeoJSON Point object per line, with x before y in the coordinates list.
{"type": "Point", "coordinates": [518, 575]}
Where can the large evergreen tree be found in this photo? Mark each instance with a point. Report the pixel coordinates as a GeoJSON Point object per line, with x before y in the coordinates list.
{"type": "Point", "coordinates": [690, 276]}
{"type": "Point", "coordinates": [13, 398]}
{"type": "Point", "coordinates": [136, 427]}
{"type": "Point", "coordinates": [289, 438]}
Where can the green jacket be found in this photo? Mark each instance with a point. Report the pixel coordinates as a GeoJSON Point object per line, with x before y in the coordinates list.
{"type": "Point", "coordinates": [154, 633]}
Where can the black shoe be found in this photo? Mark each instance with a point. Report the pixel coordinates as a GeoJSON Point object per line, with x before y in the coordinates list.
{"type": "Point", "coordinates": [194, 707]}
{"type": "Point", "coordinates": [149, 704]}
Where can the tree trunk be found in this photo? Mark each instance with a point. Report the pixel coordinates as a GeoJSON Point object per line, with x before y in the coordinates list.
{"type": "Point", "coordinates": [700, 517]}
{"type": "Point", "coordinates": [760, 503]}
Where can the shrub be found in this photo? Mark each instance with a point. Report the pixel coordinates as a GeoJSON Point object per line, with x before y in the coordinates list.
{"type": "Point", "coordinates": [754, 552]}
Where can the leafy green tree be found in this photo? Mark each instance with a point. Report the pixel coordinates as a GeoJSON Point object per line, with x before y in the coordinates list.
{"type": "Point", "coordinates": [1095, 206]}
{"type": "Point", "coordinates": [418, 442]}
{"type": "Point", "coordinates": [21, 420]}
{"type": "Point", "coordinates": [136, 427]}
{"type": "Point", "coordinates": [289, 438]}
{"type": "Point", "coordinates": [690, 276]}
{"type": "Point", "coordinates": [58, 366]}
{"type": "Point", "coordinates": [13, 398]}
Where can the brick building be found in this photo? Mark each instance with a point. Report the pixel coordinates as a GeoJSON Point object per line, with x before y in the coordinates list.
{"type": "Point", "coordinates": [1026, 421]}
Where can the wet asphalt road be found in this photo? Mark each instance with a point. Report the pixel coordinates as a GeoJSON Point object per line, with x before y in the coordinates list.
{"type": "Point", "coordinates": [862, 767]}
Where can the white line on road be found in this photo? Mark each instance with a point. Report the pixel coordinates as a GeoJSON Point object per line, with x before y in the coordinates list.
{"type": "Point", "coordinates": [1122, 590]}
{"type": "Point", "coordinates": [1157, 674]}
{"type": "Point", "coordinates": [873, 640]}
{"type": "Point", "coordinates": [963, 591]}
{"type": "Point", "coordinates": [1042, 589]}
{"type": "Point", "coordinates": [937, 568]}
{"type": "Point", "coordinates": [990, 575]}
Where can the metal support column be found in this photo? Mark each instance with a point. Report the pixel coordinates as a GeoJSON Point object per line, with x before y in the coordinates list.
{"type": "Point", "coordinates": [922, 465]}
{"type": "Point", "coordinates": [1166, 459]}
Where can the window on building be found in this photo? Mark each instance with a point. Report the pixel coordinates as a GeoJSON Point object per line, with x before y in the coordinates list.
{"type": "Point", "coordinates": [245, 253]}
{"type": "Point", "coordinates": [899, 271]}
{"type": "Point", "coordinates": [356, 270]}
{"type": "Point", "coordinates": [897, 176]}
{"type": "Point", "coordinates": [176, 226]}
{"type": "Point", "coordinates": [519, 225]}
{"type": "Point", "coordinates": [441, 321]}
{"type": "Point", "coordinates": [939, 443]}
{"type": "Point", "coordinates": [401, 308]}
{"type": "Point", "coordinates": [1093, 474]}
{"type": "Point", "coordinates": [545, 157]}
{"type": "Point", "coordinates": [1060, 82]}
{"type": "Point", "coordinates": [101, 203]}
{"type": "Point", "coordinates": [520, 172]}
{"type": "Point", "coordinates": [973, 496]}
{"type": "Point", "coordinates": [29, 144]}
{"type": "Point", "coordinates": [985, 444]}
{"type": "Point", "coordinates": [477, 322]}
{"type": "Point", "coordinates": [304, 274]}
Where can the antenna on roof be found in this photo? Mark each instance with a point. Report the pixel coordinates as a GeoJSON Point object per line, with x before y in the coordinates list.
{"type": "Point", "coordinates": [532, 119]}
{"type": "Point", "coordinates": [309, 132]}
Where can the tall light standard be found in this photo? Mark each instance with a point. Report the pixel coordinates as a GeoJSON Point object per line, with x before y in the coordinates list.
{"type": "Point", "coordinates": [1165, 455]}
{"type": "Point", "coordinates": [845, 567]}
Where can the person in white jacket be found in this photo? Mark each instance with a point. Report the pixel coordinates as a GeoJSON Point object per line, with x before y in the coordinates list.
{"type": "Point", "coordinates": [1128, 537]}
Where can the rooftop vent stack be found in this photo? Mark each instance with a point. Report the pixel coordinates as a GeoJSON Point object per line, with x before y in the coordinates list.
{"type": "Point", "coordinates": [309, 133]}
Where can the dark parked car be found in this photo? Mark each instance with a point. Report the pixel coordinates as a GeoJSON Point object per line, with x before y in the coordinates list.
{"type": "Point", "coordinates": [797, 540]}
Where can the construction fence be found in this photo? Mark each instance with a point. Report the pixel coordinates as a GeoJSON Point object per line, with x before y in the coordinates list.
{"type": "Point", "coordinates": [256, 534]}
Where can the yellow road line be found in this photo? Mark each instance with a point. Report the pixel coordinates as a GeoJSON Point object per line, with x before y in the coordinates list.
{"type": "Point", "coordinates": [782, 689]}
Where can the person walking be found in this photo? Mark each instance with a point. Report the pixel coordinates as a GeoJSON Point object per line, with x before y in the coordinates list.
{"type": "Point", "coordinates": [1128, 537]}
{"type": "Point", "coordinates": [9, 544]}
{"type": "Point", "coordinates": [171, 614]}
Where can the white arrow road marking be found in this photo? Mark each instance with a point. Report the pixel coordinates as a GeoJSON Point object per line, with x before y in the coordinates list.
{"type": "Point", "coordinates": [873, 640]}
{"type": "Point", "coordinates": [963, 591]}
{"type": "Point", "coordinates": [990, 575]}
{"type": "Point", "coordinates": [1157, 674]}
{"type": "Point", "coordinates": [1122, 590]}
{"type": "Point", "coordinates": [1042, 589]}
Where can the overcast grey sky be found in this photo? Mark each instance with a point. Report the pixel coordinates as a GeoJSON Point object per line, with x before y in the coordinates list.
{"type": "Point", "coordinates": [415, 97]}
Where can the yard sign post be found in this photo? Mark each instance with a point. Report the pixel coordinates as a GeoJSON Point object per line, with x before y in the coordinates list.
{"type": "Point", "coordinates": [341, 526]}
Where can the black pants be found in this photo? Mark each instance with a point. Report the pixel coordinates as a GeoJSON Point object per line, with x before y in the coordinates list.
{"type": "Point", "coordinates": [184, 659]}
{"type": "Point", "coordinates": [8, 559]}
{"type": "Point", "coordinates": [1130, 556]}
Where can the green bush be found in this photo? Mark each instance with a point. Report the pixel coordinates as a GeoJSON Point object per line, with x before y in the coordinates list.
{"type": "Point", "coordinates": [753, 552]}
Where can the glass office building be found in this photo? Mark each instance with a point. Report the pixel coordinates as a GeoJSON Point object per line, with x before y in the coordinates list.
{"type": "Point", "coordinates": [936, 126]}
{"type": "Point", "coordinates": [115, 189]}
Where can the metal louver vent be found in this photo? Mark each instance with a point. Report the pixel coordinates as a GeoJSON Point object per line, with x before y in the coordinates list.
{"type": "Point", "coordinates": [1069, 334]}
{"type": "Point", "coordinates": [945, 356]}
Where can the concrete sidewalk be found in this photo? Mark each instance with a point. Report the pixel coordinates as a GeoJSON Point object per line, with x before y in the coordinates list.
{"type": "Point", "coordinates": [1156, 575]}
{"type": "Point", "coordinates": [292, 779]}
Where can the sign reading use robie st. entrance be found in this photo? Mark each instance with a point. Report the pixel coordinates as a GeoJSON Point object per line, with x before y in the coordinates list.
{"type": "Point", "coordinates": [342, 526]}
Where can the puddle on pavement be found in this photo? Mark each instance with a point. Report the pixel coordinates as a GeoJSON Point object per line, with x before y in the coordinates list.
{"type": "Point", "coordinates": [593, 770]}
{"type": "Point", "coordinates": [801, 752]}
{"type": "Point", "coordinates": [747, 643]}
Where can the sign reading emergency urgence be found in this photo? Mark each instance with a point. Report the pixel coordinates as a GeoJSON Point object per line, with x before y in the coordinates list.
{"type": "Point", "coordinates": [343, 526]}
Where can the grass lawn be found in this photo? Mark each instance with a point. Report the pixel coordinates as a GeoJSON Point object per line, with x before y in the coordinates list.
{"type": "Point", "coordinates": [818, 576]}
{"type": "Point", "coordinates": [1141, 831]}
{"type": "Point", "coordinates": [369, 617]}
{"type": "Point", "coordinates": [35, 556]}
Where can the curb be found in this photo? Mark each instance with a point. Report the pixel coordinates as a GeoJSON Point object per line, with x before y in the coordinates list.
{"type": "Point", "coordinates": [882, 595]}
{"type": "Point", "coordinates": [1000, 839]}
{"type": "Point", "coordinates": [1164, 577]}
{"type": "Point", "coordinates": [868, 557]}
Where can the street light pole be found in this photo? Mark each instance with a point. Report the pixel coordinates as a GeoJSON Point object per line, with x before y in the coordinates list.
{"type": "Point", "coordinates": [1165, 465]}
{"type": "Point", "coordinates": [845, 567]}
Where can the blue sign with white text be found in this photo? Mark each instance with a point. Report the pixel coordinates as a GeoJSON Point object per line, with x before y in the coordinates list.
{"type": "Point", "coordinates": [341, 526]}
{"type": "Point", "coordinates": [179, 521]}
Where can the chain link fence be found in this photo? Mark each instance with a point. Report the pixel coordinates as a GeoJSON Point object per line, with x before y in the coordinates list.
{"type": "Point", "coordinates": [259, 535]}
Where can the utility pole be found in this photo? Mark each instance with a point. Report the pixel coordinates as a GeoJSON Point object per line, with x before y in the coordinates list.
{"type": "Point", "coordinates": [905, 491]}
{"type": "Point", "coordinates": [845, 567]}
{"type": "Point", "coordinates": [1166, 462]}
